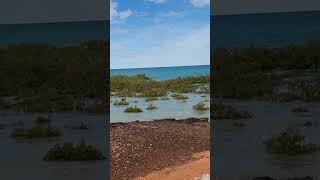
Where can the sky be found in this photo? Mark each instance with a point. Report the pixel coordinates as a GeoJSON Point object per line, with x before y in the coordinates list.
{"type": "Point", "coordinates": [159, 33]}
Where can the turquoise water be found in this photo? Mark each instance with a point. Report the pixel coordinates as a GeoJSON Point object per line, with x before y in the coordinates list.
{"type": "Point", "coordinates": [164, 73]}
{"type": "Point", "coordinates": [167, 109]}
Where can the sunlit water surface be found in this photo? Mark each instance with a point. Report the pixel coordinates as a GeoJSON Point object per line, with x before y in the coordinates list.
{"type": "Point", "coordinates": [167, 109]}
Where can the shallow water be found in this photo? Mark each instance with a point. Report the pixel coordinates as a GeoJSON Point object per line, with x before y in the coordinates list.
{"type": "Point", "coordinates": [240, 151]}
{"type": "Point", "coordinates": [167, 109]}
{"type": "Point", "coordinates": [25, 156]}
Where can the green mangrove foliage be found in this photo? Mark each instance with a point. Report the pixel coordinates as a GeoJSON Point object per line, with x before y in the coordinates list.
{"type": "Point", "coordinates": [290, 142]}
{"type": "Point", "coordinates": [165, 99]}
{"type": "Point", "coordinates": [35, 132]}
{"type": "Point", "coordinates": [180, 97]}
{"type": "Point", "coordinates": [221, 112]}
{"type": "Point", "coordinates": [201, 106]}
{"type": "Point", "coordinates": [142, 86]}
{"type": "Point", "coordinates": [152, 107]}
{"type": "Point", "coordinates": [134, 109]}
{"type": "Point", "coordinates": [74, 152]}
{"type": "Point", "coordinates": [123, 102]}
{"type": "Point", "coordinates": [149, 99]}
{"type": "Point", "coordinates": [44, 77]}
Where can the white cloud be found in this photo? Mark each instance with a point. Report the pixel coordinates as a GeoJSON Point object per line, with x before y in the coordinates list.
{"type": "Point", "coordinates": [118, 15]}
{"type": "Point", "coordinates": [189, 48]}
{"type": "Point", "coordinates": [200, 3]}
{"type": "Point", "coordinates": [157, 1]}
{"type": "Point", "coordinates": [125, 14]}
{"type": "Point", "coordinates": [170, 14]}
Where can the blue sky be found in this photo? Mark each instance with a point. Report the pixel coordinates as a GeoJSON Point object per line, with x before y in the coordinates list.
{"type": "Point", "coordinates": [159, 33]}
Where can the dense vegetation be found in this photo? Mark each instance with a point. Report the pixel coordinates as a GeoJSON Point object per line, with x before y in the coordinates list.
{"type": "Point", "coordinates": [74, 152]}
{"type": "Point", "coordinates": [260, 72]}
{"type": "Point", "coordinates": [143, 86]}
{"type": "Point", "coordinates": [43, 77]}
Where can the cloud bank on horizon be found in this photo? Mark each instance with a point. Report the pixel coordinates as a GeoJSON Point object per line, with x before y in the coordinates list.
{"type": "Point", "coordinates": [159, 33]}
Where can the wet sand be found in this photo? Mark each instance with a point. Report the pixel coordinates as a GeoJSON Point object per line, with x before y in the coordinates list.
{"type": "Point", "coordinates": [144, 149]}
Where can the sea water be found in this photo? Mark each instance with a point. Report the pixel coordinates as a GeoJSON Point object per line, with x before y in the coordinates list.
{"type": "Point", "coordinates": [165, 73]}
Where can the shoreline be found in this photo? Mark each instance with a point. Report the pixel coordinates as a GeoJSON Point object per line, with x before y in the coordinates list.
{"type": "Point", "coordinates": [140, 148]}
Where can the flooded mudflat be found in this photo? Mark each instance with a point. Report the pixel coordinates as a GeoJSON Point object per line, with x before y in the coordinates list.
{"type": "Point", "coordinates": [171, 108]}
{"type": "Point", "coordinates": [26, 155]}
{"type": "Point", "coordinates": [241, 150]}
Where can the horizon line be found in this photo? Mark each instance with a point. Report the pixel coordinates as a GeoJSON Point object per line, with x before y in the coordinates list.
{"type": "Point", "coordinates": [159, 67]}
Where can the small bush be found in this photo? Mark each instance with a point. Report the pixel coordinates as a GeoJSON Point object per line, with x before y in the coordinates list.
{"type": "Point", "coordinates": [74, 152]}
{"type": "Point", "coordinates": [134, 109]}
{"type": "Point", "coordinates": [221, 111]}
{"type": "Point", "coordinates": [180, 96]}
{"type": "Point", "coordinates": [121, 103]}
{"type": "Point", "coordinates": [165, 98]}
{"type": "Point", "coordinates": [152, 107]}
{"type": "Point", "coordinates": [151, 99]}
{"type": "Point", "coordinates": [290, 142]}
{"type": "Point", "coordinates": [201, 106]}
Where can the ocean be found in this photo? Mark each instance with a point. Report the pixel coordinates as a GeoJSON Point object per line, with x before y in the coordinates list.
{"type": "Point", "coordinates": [164, 73]}
{"type": "Point", "coordinates": [265, 30]}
